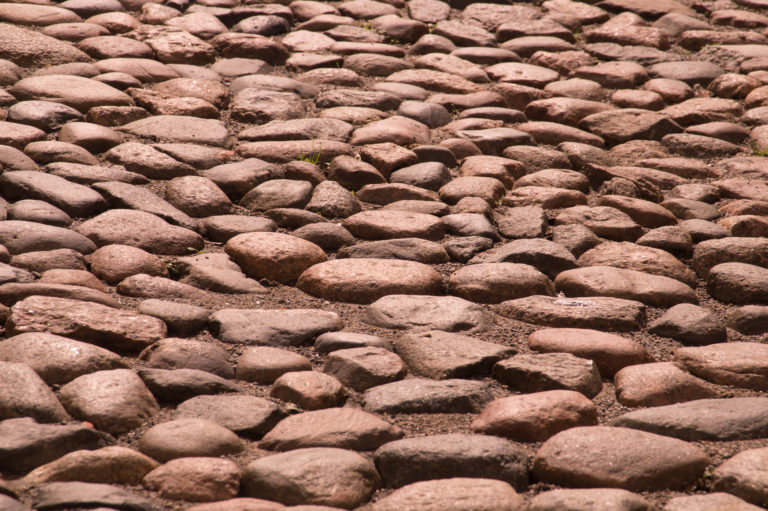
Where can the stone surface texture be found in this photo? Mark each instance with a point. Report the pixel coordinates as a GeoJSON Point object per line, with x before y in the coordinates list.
{"type": "Point", "coordinates": [381, 255]}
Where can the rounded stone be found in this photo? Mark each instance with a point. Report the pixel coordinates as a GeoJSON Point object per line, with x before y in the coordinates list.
{"type": "Point", "coordinates": [188, 437]}
{"type": "Point", "coordinates": [610, 352]}
{"type": "Point", "coordinates": [391, 224]}
{"type": "Point", "coordinates": [454, 495]}
{"type": "Point", "coordinates": [613, 457]}
{"type": "Point", "coordinates": [197, 196]}
{"type": "Point", "coordinates": [320, 476]}
{"type": "Point", "coordinates": [497, 282]}
{"type": "Point", "coordinates": [175, 353]}
{"type": "Point", "coordinates": [115, 401]}
{"type": "Point", "coordinates": [311, 390]}
{"type": "Point", "coordinates": [75, 91]}
{"type": "Point", "coordinates": [274, 256]}
{"type": "Point", "coordinates": [140, 229]}
{"type": "Point", "coordinates": [55, 358]}
{"type": "Point", "coordinates": [741, 475]}
{"type": "Point", "coordinates": [195, 479]}
{"type": "Point", "coordinates": [537, 416]}
{"type": "Point", "coordinates": [264, 364]}
{"type": "Point", "coordinates": [362, 280]}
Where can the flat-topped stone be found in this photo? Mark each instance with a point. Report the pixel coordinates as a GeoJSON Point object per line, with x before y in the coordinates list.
{"type": "Point", "coordinates": [527, 372]}
{"type": "Point", "coordinates": [269, 327]}
{"type": "Point", "coordinates": [20, 236]}
{"type": "Point", "coordinates": [179, 128]}
{"type": "Point", "coordinates": [421, 312]}
{"type": "Point", "coordinates": [546, 256]}
{"type": "Point", "coordinates": [421, 395]}
{"type": "Point", "coordinates": [182, 438]}
{"type": "Point", "coordinates": [710, 502]}
{"type": "Point", "coordinates": [12, 292]}
{"type": "Point", "coordinates": [74, 199]}
{"type": "Point", "coordinates": [365, 367]}
{"type": "Point", "coordinates": [631, 256]}
{"type": "Point", "coordinates": [522, 74]}
{"type": "Point", "coordinates": [86, 321]}
{"type": "Point", "coordinates": [249, 416]}
{"type": "Point", "coordinates": [741, 476]}
{"type": "Point", "coordinates": [142, 230]}
{"type": "Point", "coordinates": [712, 252]}
{"type": "Point", "coordinates": [409, 249]}
{"type": "Point", "coordinates": [55, 358]}
{"type": "Point", "coordinates": [264, 364]}
{"type": "Point", "coordinates": [623, 125]}
{"type": "Point", "coordinates": [319, 476]}
{"type": "Point", "coordinates": [741, 364]}
{"type": "Point", "coordinates": [389, 224]}
{"type": "Point", "coordinates": [738, 283]}
{"type": "Point", "coordinates": [537, 416]}
{"type": "Point", "coordinates": [487, 495]}
{"type": "Point", "coordinates": [75, 91]}
{"type": "Point", "coordinates": [451, 455]}
{"type": "Point", "coordinates": [497, 282]}
{"type": "Point", "coordinates": [364, 280]}
{"type": "Point", "coordinates": [610, 352]}
{"type": "Point", "coordinates": [658, 384]}
{"type": "Point", "coordinates": [615, 457]}
{"type": "Point", "coordinates": [596, 312]}
{"type": "Point", "coordinates": [690, 324]}
{"type": "Point", "coordinates": [738, 418]}
{"type": "Point", "coordinates": [606, 499]}
{"type": "Point", "coordinates": [605, 221]}
{"type": "Point", "coordinates": [653, 290]}
{"type": "Point", "coordinates": [345, 428]}
{"type": "Point", "coordinates": [443, 355]}
{"type": "Point", "coordinates": [76, 494]}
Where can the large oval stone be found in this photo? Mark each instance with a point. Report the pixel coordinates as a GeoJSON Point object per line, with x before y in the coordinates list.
{"type": "Point", "coordinates": [653, 290]}
{"type": "Point", "coordinates": [737, 418]}
{"type": "Point", "coordinates": [497, 282]}
{"type": "Point", "coordinates": [614, 457]}
{"type": "Point", "coordinates": [321, 476]}
{"type": "Point", "coordinates": [456, 494]}
{"type": "Point", "coordinates": [630, 256]}
{"type": "Point", "coordinates": [390, 224]}
{"type": "Point", "coordinates": [347, 428]}
{"type": "Point", "coordinates": [366, 280]}
{"type": "Point", "coordinates": [75, 91]}
{"type": "Point", "coordinates": [19, 236]}
{"type": "Point", "coordinates": [115, 401]}
{"type": "Point", "coordinates": [139, 229]}
{"type": "Point", "coordinates": [420, 312]}
{"type": "Point", "coordinates": [431, 457]}
{"type": "Point", "coordinates": [273, 255]}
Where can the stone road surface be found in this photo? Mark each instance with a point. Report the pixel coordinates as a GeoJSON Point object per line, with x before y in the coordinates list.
{"type": "Point", "coordinates": [401, 255]}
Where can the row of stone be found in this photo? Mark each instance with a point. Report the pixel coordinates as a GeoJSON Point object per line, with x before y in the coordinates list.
{"type": "Point", "coordinates": [594, 456]}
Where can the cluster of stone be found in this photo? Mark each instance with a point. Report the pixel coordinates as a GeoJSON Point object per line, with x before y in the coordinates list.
{"type": "Point", "coordinates": [384, 255]}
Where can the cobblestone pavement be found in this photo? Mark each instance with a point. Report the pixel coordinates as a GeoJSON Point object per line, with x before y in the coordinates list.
{"type": "Point", "coordinates": [400, 255]}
